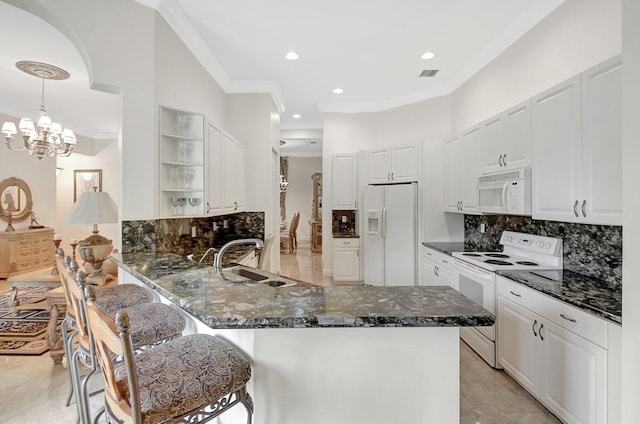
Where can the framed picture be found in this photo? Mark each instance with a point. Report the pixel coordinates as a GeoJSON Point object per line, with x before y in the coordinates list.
{"type": "Point", "coordinates": [86, 180]}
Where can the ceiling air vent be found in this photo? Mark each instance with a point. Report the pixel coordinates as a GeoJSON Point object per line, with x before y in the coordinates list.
{"type": "Point", "coordinates": [428, 73]}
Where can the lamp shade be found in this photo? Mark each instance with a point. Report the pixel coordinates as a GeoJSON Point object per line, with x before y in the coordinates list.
{"type": "Point", "coordinates": [92, 207]}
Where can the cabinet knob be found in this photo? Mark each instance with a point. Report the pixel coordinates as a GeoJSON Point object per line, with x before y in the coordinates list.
{"type": "Point", "coordinates": [540, 331]}
{"type": "Point", "coordinates": [533, 327]}
{"type": "Point", "coordinates": [563, 316]}
{"type": "Point", "coordinates": [208, 207]}
{"type": "Point", "coordinates": [575, 208]}
{"type": "Point", "coordinates": [584, 206]}
{"type": "Point", "coordinates": [500, 161]}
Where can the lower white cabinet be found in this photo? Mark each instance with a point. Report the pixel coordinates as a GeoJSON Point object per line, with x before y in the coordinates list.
{"type": "Point", "coordinates": [565, 370]}
{"type": "Point", "coordinates": [346, 259]}
{"type": "Point", "coordinates": [437, 270]}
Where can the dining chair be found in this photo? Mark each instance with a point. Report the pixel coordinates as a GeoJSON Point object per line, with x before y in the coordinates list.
{"type": "Point", "coordinates": [192, 378]}
{"type": "Point", "coordinates": [289, 238]}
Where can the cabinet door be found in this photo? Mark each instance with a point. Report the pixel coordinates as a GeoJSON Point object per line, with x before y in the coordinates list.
{"type": "Point", "coordinates": [215, 175]}
{"type": "Point", "coordinates": [452, 172]}
{"type": "Point", "coordinates": [556, 173]}
{"type": "Point", "coordinates": [379, 166]}
{"type": "Point", "coordinates": [233, 166]}
{"type": "Point", "coordinates": [470, 167]}
{"type": "Point", "coordinates": [493, 145]}
{"type": "Point", "coordinates": [518, 344]}
{"type": "Point", "coordinates": [574, 379]}
{"type": "Point", "coordinates": [447, 277]}
{"type": "Point", "coordinates": [404, 164]}
{"type": "Point", "coordinates": [515, 137]}
{"type": "Point", "coordinates": [430, 274]}
{"type": "Point", "coordinates": [602, 144]}
{"type": "Point", "coordinates": [346, 264]}
{"type": "Point", "coordinates": [345, 183]}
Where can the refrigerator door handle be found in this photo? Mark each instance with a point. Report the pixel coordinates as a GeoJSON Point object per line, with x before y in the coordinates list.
{"type": "Point", "coordinates": [383, 222]}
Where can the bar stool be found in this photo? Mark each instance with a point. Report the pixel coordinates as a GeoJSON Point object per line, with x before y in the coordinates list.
{"type": "Point", "coordinates": [127, 295]}
{"type": "Point", "coordinates": [156, 323]}
{"type": "Point", "coordinates": [191, 379]}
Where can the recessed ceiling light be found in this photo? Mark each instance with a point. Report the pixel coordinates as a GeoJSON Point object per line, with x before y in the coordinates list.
{"type": "Point", "coordinates": [292, 56]}
{"type": "Point", "coordinates": [338, 90]}
{"type": "Point", "coordinates": [428, 55]}
{"type": "Point", "coordinates": [296, 116]}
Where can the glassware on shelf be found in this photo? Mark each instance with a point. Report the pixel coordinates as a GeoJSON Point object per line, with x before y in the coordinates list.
{"type": "Point", "coordinates": [174, 203]}
{"type": "Point", "coordinates": [184, 151]}
{"type": "Point", "coordinates": [182, 201]}
{"type": "Point", "coordinates": [194, 201]}
{"type": "Point", "coordinates": [174, 177]}
{"type": "Point", "coordinates": [187, 177]}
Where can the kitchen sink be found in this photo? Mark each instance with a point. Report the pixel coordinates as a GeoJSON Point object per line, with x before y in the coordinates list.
{"type": "Point", "coordinates": [262, 277]}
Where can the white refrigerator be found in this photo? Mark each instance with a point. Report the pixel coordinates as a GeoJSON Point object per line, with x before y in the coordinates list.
{"type": "Point", "coordinates": [390, 236]}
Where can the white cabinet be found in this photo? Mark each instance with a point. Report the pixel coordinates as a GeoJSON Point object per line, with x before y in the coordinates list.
{"type": "Point", "coordinates": [181, 167]}
{"type": "Point", "coordinates": [506, 139]}
{"type": "Point", "coordinates": [437, 269]}
{"type": "Point", "coordinates": [555, 351]}
{"type": "Point", "coordinates": [346, 259]}
{"type": "Point", "coordinates": [462, 168]}
{"type": "Point", "coordinates": [233, 181]}
{"type": "Point", "coordinates": [392, 165]}
{"type": "Point", "coordinates": [225, 173]}
{"type": "Point", "coordinates": [577, 155]}
{"type": "Point", "coordinates": [345, 181]}
{"type": "Point", "coordinates": [215, 171]}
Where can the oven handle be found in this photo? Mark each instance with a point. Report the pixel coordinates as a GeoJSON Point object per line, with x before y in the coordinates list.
{"type": "Point", "coordinates": [478, 272]}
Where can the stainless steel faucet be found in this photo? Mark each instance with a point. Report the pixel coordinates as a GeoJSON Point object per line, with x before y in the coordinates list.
{"type": "Point", "coordinates": [217, 258]}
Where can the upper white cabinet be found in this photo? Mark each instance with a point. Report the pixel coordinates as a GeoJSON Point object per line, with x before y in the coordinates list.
{"type": "Point", "coordinates": [506, 139]}
{"type": "Point", "coordinates": [462, 168]}
{"type": "Point", "coordinates": [345, 181]}
{"type": "Point", "coordinates": [602, 144]}
{"type": "Point", "coordinates": [577, 155]}
{"type": "Point", "coordinates": [234, 164]}
{"type": "Point", "coordinates": [392, 165]}
{"type": "Point", "coordinates": [215, 171]}
{"type": "Point", "coordinates": [225, 173]}
{"type": "Point", "coordinates": [181, 171]}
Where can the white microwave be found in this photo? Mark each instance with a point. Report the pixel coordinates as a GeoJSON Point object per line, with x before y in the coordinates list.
{"type": "Point", "coordinates": [506, 192]}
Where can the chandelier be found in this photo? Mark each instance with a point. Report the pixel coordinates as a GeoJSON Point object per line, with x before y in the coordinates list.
{"type": "Point", "coordinates": [49, 139]}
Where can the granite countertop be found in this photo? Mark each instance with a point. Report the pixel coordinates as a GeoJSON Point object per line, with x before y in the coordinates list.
{"type": "Point", "coordinates": [586, 293]}
{"type": "Point", "coordinates": [198, 290]}
{"type": "Point", "coordinates": [447, 247]}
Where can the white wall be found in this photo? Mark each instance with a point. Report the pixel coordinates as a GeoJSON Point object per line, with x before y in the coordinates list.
{"type": "Point", "coordinates": [253, 119]}
{"type": "Point", "coordinates": [576, 36]}
{"type": "Point", "coordinates": [631, 224]}
{"type": "Point", "coordinates": [300, 192]}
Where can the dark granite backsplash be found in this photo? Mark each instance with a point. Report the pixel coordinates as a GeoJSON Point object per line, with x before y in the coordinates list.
{"type": "Point", "coordinates": [591, 250]}
{"type": "Point", "coordinates": [344, 223]}
{"type": "Point", "coordinates": [175, 235]}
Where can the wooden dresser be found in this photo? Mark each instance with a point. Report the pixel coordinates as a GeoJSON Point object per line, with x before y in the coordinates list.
{"type": "Point", "coordinates": [24, 250]}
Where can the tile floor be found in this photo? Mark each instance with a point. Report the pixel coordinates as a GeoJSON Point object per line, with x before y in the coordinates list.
{"type": "Point", "coordinates": [34, 390]}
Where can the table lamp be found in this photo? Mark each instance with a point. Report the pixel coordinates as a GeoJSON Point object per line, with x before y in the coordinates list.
{"type": "Point", "coordinates": [94, 207]}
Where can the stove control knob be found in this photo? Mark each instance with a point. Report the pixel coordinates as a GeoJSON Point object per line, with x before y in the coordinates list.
{"type": "Point", "coordinates": [548, 245]}
{"type": "Point", "coordinates": [540, 244]}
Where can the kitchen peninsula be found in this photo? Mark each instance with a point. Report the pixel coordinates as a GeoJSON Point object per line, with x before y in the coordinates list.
{"type": "Point", "coordinates": [326, 354]}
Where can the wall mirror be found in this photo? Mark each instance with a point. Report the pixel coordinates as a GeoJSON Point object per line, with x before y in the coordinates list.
{"type": "Point", "coordinates": [15, 199]}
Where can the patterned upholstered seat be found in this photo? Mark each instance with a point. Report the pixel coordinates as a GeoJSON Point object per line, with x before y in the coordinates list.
{"type": "Point", "coordinates": [189, 379]}
{"type": "Point", "coordinates": [182, 375]}
{"type": "Point", "coordinates": [155, 323]}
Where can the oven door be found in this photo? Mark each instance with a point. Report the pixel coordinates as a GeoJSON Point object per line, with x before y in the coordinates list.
{"type": "Point", "coordinates": [478, 285]}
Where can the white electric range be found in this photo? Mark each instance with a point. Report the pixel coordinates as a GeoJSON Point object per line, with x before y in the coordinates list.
{"type": "Point", "coordinates": [476, 278]}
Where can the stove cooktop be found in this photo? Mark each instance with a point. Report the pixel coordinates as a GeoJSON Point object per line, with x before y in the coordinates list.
{"type": "Point", "coordinates": [522, 252]}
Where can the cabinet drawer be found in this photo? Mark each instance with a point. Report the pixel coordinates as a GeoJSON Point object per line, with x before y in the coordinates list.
{"type": "Point", "coordinates": [346, 242]}
{"type": "Point", "coordinates": [438, 257]}
{"type": "Point", "coordinates": [38, 250]}
{"type": "Point", "coordinates": [519, 294]}
{"type": "Point", "coordinates": [581, 323]}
